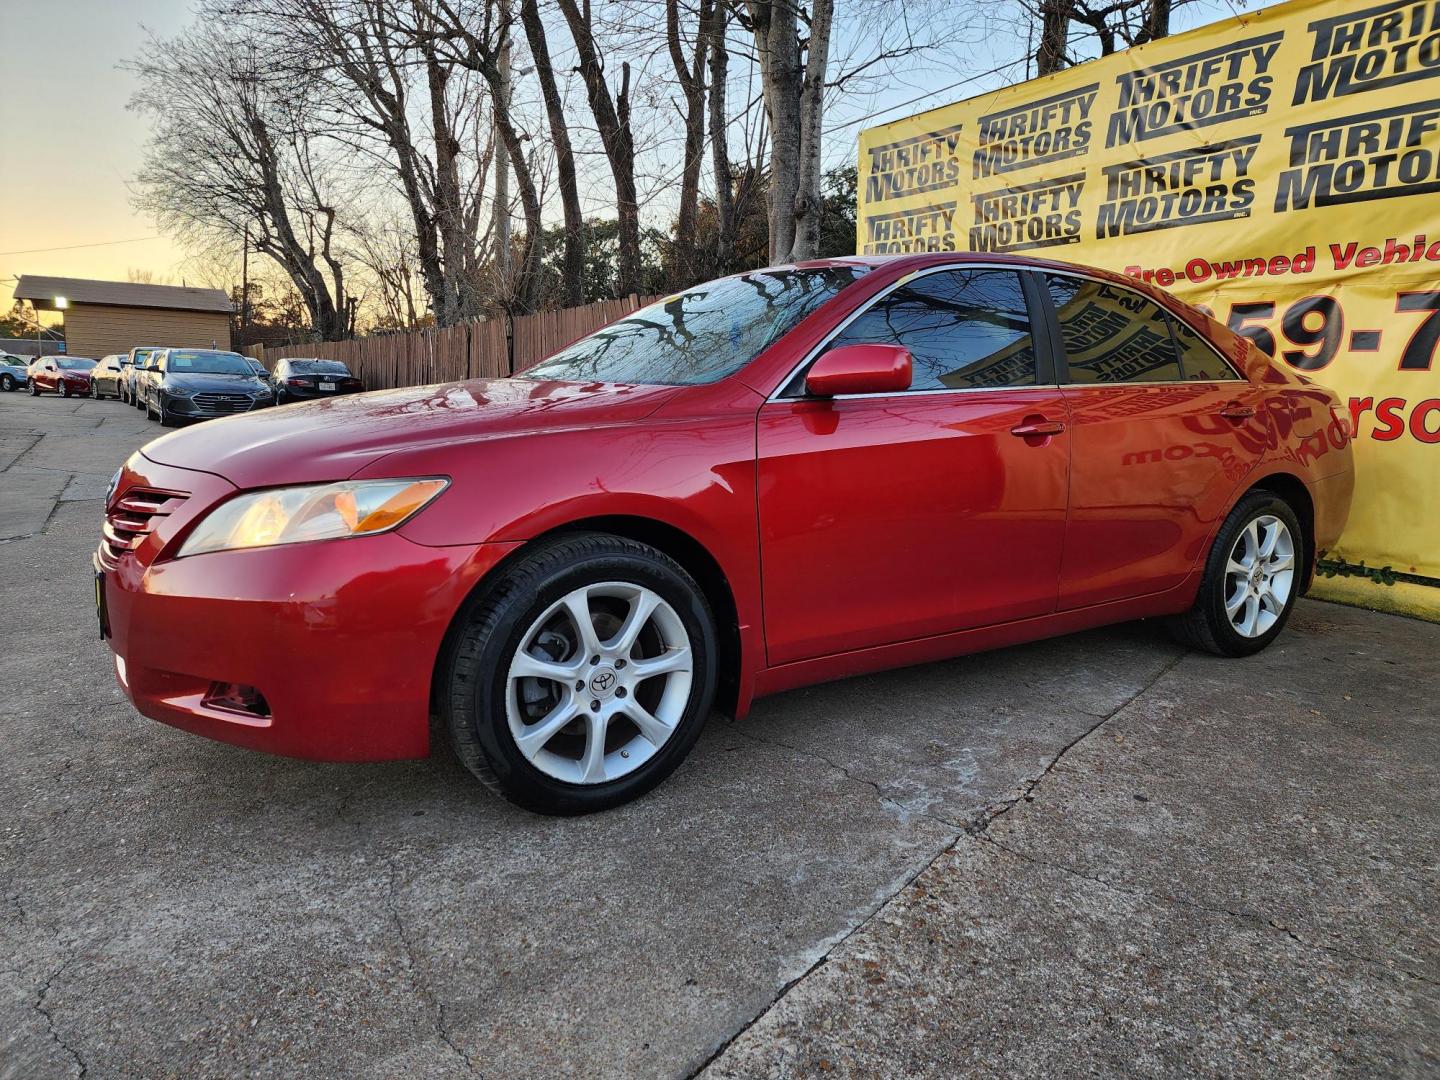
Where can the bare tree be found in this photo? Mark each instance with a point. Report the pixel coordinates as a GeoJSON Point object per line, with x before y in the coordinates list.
{"type": "Point", "coordinates": [689, 65]}
{"type": "Point", "coordinates": [471, 34]}
{"type": "Point", "coordinates": [720, 138]}
{"type": "Point", "coordinates": [1050, 51]}
{"type": "Point", "coordinates": [612, 118]}
{"type": "Point", "coordinates": [1109, 26]}
{"type": "Point", "coordinates": [228, 156]}
{"type": "Point", "coordinates": [793, 67]}
{"type": "Point", "coordinates": [573, 266]}
{"type": "Point", "coordinates": [393, 98]}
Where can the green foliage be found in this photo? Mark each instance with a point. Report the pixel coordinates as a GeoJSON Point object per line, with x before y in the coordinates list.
{"type": "Point", "coordinates": [19, 322]}
{"type": "Point", "coordinates": [1329, 568]}
{"type": "Point", "coordinates": [839, 190]}
{"type": "Point", "coordinates": [600, 268]}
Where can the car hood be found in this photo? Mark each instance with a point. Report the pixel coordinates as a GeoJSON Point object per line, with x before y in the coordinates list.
{"type": "Point", "coordinates": [333, 438]}
{"type": "Point", "coordinates": [203, 381]}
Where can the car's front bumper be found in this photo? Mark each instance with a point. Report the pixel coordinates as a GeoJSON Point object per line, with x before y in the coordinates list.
{"type": "Point", "coordinates": [339, 637]}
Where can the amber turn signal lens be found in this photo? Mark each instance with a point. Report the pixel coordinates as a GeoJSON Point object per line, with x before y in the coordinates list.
{"type": "Point", "coordinates": [399, 506]}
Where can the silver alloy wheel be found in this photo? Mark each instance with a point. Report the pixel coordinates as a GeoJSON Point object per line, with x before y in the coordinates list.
{"type": "Point", "coordinates": [599, 683]}
{"type": "Point", "coordinates": [1259, 576]}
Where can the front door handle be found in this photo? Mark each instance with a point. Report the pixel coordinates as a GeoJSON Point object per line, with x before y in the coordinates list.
{"type": "Point", "coordinates": [1236, 411]}
{"type": "Point", "coordinates": [1037, 427]}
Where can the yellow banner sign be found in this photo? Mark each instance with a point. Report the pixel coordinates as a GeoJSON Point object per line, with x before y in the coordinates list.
{"type": "Point", "coordinates": [1280, 169]}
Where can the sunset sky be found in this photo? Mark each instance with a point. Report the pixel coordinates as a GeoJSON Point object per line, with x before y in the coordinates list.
{"type": "Point", "coordinates": [72, 148]}
{"type": "Point", "coordinates": [70, 145]}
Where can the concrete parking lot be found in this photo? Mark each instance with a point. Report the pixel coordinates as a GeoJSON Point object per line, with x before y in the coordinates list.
{"type": "Point", "coordinates": [1095, 856]}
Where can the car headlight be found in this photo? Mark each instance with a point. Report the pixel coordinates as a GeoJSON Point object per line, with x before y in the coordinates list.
{"type": "Point", "coordinates": [314, 512]}
{"type": "Point", "coordinates": [177, 391]}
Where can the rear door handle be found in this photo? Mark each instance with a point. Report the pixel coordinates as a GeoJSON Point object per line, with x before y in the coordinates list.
{"type": "Point", "coordinates": [1041, 428]}
{"type": "Point", "coordinates": [1236, 411]}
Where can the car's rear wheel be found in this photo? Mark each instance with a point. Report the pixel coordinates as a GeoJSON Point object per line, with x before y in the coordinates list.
{"type": "Point", "coordinates": [1252, 579]}
{"type": "Point", "coordinates": [583, 676]}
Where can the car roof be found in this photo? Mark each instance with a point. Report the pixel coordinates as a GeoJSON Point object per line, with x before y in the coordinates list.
{"type": "Point", "coordinates": [922, 260]}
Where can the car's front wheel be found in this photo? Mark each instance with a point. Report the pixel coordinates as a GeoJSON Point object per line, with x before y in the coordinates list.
{"type": "Point", "coordinates": [7, 383]}
{"type": "Point", "coordinates": [582, 677]}
{"type": "Point", "coordinates": [1252, 579]}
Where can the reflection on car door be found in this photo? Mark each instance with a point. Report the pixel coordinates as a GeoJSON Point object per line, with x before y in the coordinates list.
{"type": "Point", "coordinates": [1160, 438]}
{"type": "Point", "coordinates": [889, 517]}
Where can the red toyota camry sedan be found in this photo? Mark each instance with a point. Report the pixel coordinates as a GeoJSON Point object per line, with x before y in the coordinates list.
{"type": "Point", "coordinates": [773, 479]}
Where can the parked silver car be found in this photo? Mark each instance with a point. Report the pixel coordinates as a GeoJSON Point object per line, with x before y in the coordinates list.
{"type": "Point", "coordinates": [140, 357]}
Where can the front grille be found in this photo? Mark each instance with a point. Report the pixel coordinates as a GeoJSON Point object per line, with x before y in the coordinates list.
{"type": "Point", "coordinates": [223, 404]}
{"type": "Point", "coordinates": [132, 518]}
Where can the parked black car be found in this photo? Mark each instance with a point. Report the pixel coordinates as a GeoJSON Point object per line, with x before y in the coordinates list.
{"type": "Point", "coordinates": [300, 379]}
{"type": "Point", "coordinates": [261, 370]}
{"type": "Point", "coordinates": [195, 384]}
{"type": "Point", "coordinates": [106, 376]}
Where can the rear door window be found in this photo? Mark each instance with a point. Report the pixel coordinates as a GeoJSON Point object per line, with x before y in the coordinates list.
{"type": "Point", "coordinates": [965, 329]}
{"type": "Point", "coordinates": [1198, 359]}
{"type": "Point", "coordinates": [1112, 335]}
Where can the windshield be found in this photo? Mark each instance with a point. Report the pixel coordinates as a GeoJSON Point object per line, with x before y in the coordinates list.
{"type": "Point", "coordinates": [321, 367]}
{"type": "Point", "coordinates": [76, 363]}
{"type": "Point", "coordinates": [699, 335]}
{"type": "Point", "coordinates": [188, 362]}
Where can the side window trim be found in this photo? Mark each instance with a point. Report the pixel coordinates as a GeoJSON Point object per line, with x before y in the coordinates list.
{"type": "Point", "coordinates": [1054, 342]}
{"type": "Point", "coordinates": [792, 387]}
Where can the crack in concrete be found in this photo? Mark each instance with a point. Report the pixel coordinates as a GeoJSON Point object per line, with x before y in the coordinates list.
{"type": "Point", "coordinates": [40, 1007]}
{"type": "Point", "coordinates": [974, 828]}
{"type": "Point", "coordinates": [422, 989]}
{"type": "Point", "coordinates": [840, 939]}
{"type": "Point", "coordinates": [994, 812]}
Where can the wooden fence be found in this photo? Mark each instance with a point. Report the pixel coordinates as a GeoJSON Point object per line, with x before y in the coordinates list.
{"type": "Point", "coordinates": [474, 350]}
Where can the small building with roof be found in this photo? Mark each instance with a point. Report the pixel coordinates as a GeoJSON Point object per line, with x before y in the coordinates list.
{"type": "Point", "coordinates": [103, 317]}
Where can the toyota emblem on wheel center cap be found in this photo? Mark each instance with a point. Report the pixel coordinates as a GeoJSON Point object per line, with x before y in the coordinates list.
{"type": "Point", "coordinates": [602, 682]}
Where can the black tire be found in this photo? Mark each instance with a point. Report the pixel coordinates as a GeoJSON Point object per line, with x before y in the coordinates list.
{"type": "Point", "coordinates": [7, 383]}
{"type": "Point", "coordinates": [34, 389]}
{"type": "Point", "coordinates": [166, 417]}
{"type": "Point", "coordinates": [1205, 626]}
{"type": "Point", "coordinates": [63, 389]}
{"type": "Point", "coordinates": [492, 627]}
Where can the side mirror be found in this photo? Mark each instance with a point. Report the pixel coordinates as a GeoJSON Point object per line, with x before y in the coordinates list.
{"type": "Point", "coordinates": [860, 369]}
